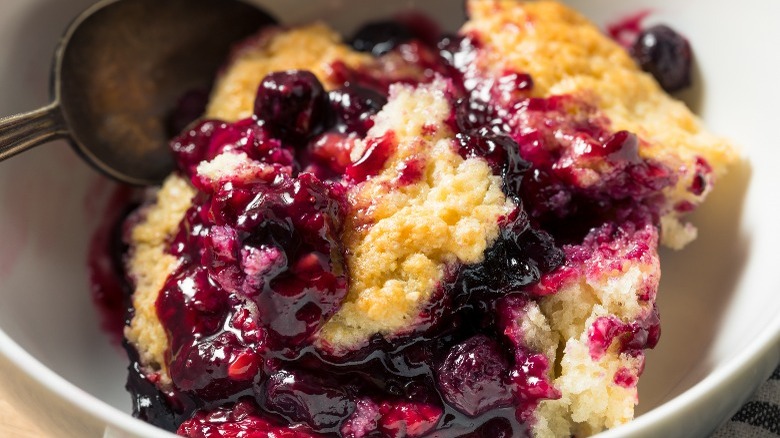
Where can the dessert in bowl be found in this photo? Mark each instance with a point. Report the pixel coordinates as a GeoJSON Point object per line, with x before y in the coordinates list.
{"type": "Point", "coordinates": [493, 253]}
{"type": "Point", "coordinates": [418, 234]}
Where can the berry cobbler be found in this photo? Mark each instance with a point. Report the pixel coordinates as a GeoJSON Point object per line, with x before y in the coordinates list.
{"type": "Point", "coordinates": [412, 235]}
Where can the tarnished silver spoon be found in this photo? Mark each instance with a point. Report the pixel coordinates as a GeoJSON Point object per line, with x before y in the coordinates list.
{"type": "Point", "coordinates": [118, 72]}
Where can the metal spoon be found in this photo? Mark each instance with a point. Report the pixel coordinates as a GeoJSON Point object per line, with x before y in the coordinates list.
{"type": "Point", "coordinates": [118, 72]}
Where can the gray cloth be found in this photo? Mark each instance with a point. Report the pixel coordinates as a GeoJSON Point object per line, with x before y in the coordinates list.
{"type": "Point", "coordinates": [760, 417]}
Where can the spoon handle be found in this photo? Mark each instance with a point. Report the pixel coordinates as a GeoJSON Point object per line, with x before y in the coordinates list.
{"type": "Point", "coordinates": [23, 131]}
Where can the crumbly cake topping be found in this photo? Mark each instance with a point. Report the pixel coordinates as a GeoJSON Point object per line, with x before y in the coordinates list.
{"type": "Point", "coordinates": [400, 238]}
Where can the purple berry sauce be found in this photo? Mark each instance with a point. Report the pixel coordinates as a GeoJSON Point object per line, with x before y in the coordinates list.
{"type": "Point", "coordinates": [263, 267]}
{"type": "Point", "coordinates": [105, 263]}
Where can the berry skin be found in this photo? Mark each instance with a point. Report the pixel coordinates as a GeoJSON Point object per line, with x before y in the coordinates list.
{"type": "Point", "coordinates": [354, 107]}
{"type": "Point", "coordinates": [292, 104]}
{"type": "Point", "coordinates": [666, 55]}
{"type": "Point", "coordinates": [303, 398]}
{"type": "Point", "coordinates": [473, 376]}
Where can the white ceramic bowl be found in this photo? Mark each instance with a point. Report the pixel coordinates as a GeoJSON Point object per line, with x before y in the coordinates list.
{"type": "Point", "coordinates": [719, 298]}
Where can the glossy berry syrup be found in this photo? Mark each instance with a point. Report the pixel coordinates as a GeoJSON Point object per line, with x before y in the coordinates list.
{"type": "Point", "coordinates": [263, 267]}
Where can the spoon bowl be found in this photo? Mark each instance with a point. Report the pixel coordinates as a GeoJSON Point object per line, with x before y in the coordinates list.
{"type": "Point", "coordinates": [119, 72]}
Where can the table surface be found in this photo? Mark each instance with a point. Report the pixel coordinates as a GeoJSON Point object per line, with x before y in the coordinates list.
{"type": "Point", "coordinates": [13, 423]}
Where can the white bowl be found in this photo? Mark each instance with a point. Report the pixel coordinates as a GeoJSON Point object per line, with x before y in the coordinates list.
{"type": "Point", "coordinates": [719, 298]}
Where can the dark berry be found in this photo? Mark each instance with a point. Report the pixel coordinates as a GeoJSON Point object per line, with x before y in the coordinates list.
{"type": "Point", "coordinates": [188, 108]}
{"type": "Point", "coordinates": [189, 299]}
{"type": "Point", "coordinates": [303, 398]}
{"type": "Point", "coordinates": [473, 376]}
{"type": "Point", "coordinates": [292, 104]}
{"type": "Point", "coordinates": [293, 280]}
{"type": "Point", "coordinates": [380, 37]}
{"type": "Point", "coordinates": [493, 148]}
{"type": "Point", "coordinates": [422, 26]}
{"type": "Point", "coordinates": [256, 275]}
{"type": "Point", "coordinates": [204, 368]}
{"type": "Point", "coordinates": [243, 419]}
{"type": "Point", "coordinates": [354, 107]}
{"type": "Point", "coordinates": [208, 138]}
{"type": "Point", "coordinates": [194, 144]}
{"type": "Point", "coordinates": [495, 428]}
{"type": "Point", "coordinates": [512, 87]}
{"type": "Point", "coordinates": [666, 55]}
{"type": "Point", "coordinates": [518, 258]}
{"type": "Point", "coordinates": [149, 403]}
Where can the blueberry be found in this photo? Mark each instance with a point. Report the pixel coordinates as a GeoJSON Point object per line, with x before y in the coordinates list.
{"type": "Point", "coordinates": [517, 259]}
{"type": "Point", "coordinates": [666, 55]}
{"type": "Point", "coordinates": [473, 376]}
{"type": "Point", "coordinates": [495, 428]}
{"type": "Point", "coordinates": [292, 104]}
{"type": "Point", "coordinates": [354, 106]}
{"type": "Point", "coordinates": [314, 401]}
{"type": "Point", "coordinates": [194, 145]}
{"type": "Point", "coordinates": [380, 37]}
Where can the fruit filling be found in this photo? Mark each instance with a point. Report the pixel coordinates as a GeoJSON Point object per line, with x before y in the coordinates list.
{"type": "Point", "coordinates": [413, 236]}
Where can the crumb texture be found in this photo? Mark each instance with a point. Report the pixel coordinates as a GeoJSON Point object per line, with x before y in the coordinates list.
{"type": "Point", "coordinates": [401, 238]}
{"type": "Point", "coordinates": [608, 281]}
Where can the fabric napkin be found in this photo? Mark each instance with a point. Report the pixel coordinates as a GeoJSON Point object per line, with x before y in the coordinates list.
{"type": "Point", "coordinates": [758, 418]}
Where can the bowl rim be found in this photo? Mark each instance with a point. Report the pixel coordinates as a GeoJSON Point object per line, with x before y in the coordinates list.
{"type": "Point", "coordinates": [762, 354]}
{"type": "Point", "coordinates": [66, 391]}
